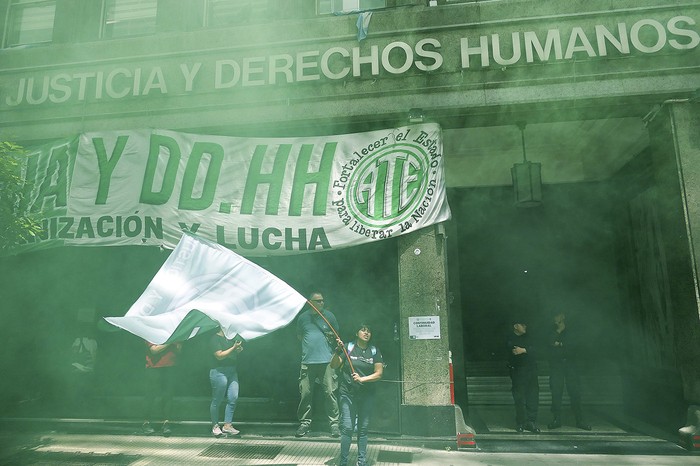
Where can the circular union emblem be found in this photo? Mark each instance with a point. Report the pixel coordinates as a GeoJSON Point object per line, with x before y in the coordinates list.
{"type": "Point", "coordinates": [387, 186]}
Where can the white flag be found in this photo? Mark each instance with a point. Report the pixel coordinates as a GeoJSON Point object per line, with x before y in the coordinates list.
{"type": "Point", "coordinates": [204, 285]}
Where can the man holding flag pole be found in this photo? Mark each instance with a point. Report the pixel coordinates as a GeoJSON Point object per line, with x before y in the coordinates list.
{"type": "Point", "coordinates": [316, 328]}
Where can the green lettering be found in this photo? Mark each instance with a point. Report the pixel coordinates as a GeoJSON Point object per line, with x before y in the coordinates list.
{"type": "Point", "coordinates": [321, 178]}
{"type": "Point", "coordinates": [318, 238]}
{"type": "Point", "coordinates": [85, 228]}
{"type": "Point", "coordinates": [154, 227]}
{"type": "Point", "coordinates": [211, 178]}
{"type": "Point", "coordinates": [290, 239]}
{"type": "Point", "coordinates": [56, 169]}
{"type": "Point", "coordinates": [405, 185]}
{"type": "Point", "coordinates": [274, 180]}
{"type": "Point", "coordinates": [104, 228]}
{"type": "Point", "coordinates": [267, 236]}
{"type": "Point", "coordinates": [106, 165]}
{"type": "Point", "coordinates": [186, 227]}
{"type": "Point", "coordinates": [370, 192]}
{"type": "Point", "coordinates": [254, 238]}
{"type": "Point", "coordinates": [148, 195]}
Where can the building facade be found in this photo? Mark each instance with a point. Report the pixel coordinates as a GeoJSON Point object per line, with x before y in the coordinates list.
{"type": "Point", "coordinates": [601, 94]}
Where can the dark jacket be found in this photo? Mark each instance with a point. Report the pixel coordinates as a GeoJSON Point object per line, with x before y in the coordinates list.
{"type": "Point", "coordinates": [521, 360]}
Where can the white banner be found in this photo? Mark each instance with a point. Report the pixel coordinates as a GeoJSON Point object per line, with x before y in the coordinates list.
{"type": "Point", "coordinates": [256, 196]}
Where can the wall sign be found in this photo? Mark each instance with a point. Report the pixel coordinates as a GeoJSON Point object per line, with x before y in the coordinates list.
{"type": "Point", "coordinates": [424, 328]}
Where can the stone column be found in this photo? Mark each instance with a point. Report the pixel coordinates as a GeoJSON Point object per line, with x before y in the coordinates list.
{"type": "Point", "coordinates": [426, 404]}
{"type": "Point", "coordinates": [675, 144]}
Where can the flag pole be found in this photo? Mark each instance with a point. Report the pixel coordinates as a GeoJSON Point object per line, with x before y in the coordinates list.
{"type": "Point", "coordinates": [347, 356]}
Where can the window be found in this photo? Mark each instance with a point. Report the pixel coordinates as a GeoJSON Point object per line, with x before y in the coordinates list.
{"type": "Point", "coordinates": [346, 6]}
{"type": "Point", "coordinates": [236, 12]}
{"type": "Point", "coordinates": [124, 18]}
{"type": "Point", "coordinates": [30, 22]}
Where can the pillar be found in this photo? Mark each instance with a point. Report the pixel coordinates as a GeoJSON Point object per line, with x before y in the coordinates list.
{"type": "Point", "coordinates": [426, 403]}
{"type": "Point", "coordinates": [675, 144]}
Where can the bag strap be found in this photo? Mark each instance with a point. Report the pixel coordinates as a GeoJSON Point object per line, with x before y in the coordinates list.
{"type": "Point", "coordinates": [351, 345]}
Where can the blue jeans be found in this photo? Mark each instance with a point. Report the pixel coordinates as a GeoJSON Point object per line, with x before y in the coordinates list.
{"type": "Point", "coordinates": [224, 383]}
{"type": "Point", "coordinates": [357, 406]}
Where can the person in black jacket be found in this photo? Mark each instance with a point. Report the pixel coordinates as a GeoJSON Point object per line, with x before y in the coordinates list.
{"type": "Point", "coordinates": [357, 390]}
{"type": "Point", "coordinates": [563, 371]}
{"type": "Point", "coordinates": [523, 374]}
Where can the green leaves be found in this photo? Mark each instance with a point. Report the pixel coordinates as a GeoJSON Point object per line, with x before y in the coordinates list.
{"type": "Point", "coordinates": [15, 225]}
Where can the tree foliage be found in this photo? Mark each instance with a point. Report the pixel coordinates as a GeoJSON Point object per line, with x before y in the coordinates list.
{"type": "Point", "coordinates": [15, 225]}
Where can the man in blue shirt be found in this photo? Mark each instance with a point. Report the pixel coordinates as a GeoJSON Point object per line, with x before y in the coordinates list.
{"type": "Point", "coordinates": [316, 353]}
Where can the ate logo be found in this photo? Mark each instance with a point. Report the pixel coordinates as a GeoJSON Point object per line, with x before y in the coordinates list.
{"type": "Point", "coordinates": [388, 185]}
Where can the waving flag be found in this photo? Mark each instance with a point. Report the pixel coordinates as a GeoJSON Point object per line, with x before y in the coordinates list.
{"type": "Point", "coordinates": [204, 285]}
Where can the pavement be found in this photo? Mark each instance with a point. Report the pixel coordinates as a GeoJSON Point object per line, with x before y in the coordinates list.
{"type": "Point", "coordinates": [36, 441]}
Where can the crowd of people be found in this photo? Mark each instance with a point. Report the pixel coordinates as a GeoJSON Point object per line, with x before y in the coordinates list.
{"type": "Point", "coordinates": [346, 373]}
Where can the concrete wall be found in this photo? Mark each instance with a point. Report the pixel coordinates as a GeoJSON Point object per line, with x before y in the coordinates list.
{"type": "Point", "coordinates": [677, 149]}
{"type": "Point", "coordinates": [457, 88]}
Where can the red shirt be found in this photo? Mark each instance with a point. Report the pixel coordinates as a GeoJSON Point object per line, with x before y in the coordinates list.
{"type": "Point", "coordinates": [166, 358]}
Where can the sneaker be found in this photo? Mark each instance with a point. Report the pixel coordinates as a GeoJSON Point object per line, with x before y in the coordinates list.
{"type": "Point", "coordinates": [147, 429]}
{"type": "Point", "coordinates": [166, 429]}
{"type": "Point", "coordinates": [230, 430]}
{"type": "Point", "coordinates": [216, 430]}
{"type": "Point", "coordinates": [302, 430]}
{"type": "Point", "coordinates": [335, 431]}
{"type": "Point", "coordinates": [532, 427]}
{"type": "Point", "coordinates": [555, 424]}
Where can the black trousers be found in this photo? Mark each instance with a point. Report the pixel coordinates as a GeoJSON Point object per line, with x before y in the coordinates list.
{"type": "Point", "coordinates": [526, 394]}
{"type": "Point", "coordinates": [159, 386]}
{"type": "Point", "coordinates": [565, 374]}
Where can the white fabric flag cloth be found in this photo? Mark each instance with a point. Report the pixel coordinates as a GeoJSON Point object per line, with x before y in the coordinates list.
{"type": "Point", "coordinates": [203, 285]}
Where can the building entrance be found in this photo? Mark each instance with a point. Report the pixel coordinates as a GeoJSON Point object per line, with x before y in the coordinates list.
{"type": "Point", "coordinates": [593, 249]}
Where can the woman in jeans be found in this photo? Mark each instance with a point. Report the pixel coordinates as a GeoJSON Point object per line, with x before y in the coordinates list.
{"type": "Point", "coordinates": [357, 390]}
{"type": "Point", "coordinates": [224, 381]}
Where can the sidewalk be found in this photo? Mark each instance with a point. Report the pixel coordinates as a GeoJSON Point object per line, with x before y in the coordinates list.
{"type": "Point", "coordinates": [95, 442]}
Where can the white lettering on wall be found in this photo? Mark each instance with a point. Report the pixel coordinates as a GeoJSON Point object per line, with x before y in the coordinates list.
{"type": "Point", "coordinates": [646, 36]}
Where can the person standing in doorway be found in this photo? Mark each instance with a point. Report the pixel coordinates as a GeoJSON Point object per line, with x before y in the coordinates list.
{"type": "Point", "coordinates": [223, 376]}
{"type": "Point", "coordinates": [357, 390]}
{"type": "Point", "coordinates": [317, 347]}
{"type": "Point", "coordinates": [523, 375]}
{"type": "Point", "coordinates": [160, 382]}
{"type": "Point", "coordinates": [563, 371]}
